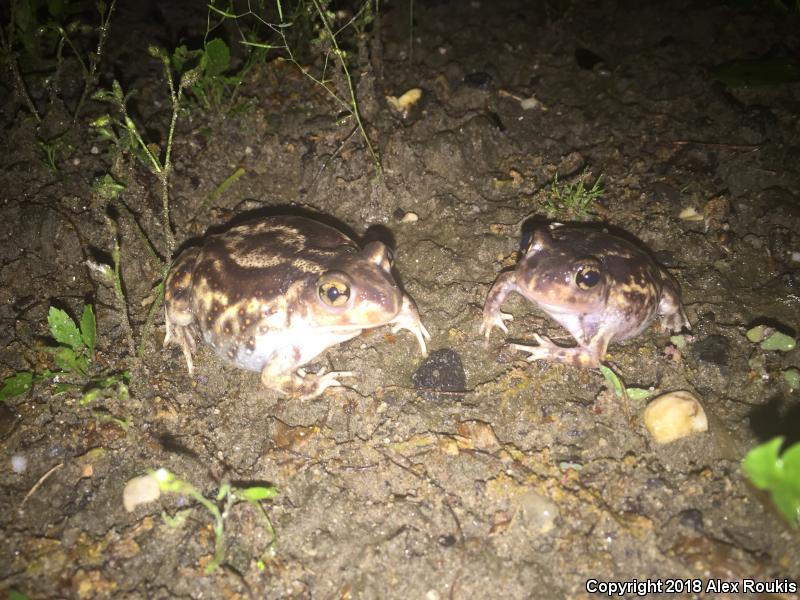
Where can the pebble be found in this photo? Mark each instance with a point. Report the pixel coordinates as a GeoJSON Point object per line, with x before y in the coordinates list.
{"type": "Point", "coordinates": [715, 349]}
{"type": "Point", "coordinates": [442, 371]}
{"type": "Point", "coordinates": [140, 490]}
{"type": "Point", "coordinates": [673, 416]}
{"type": "Point", "coordinates": [19, 463]}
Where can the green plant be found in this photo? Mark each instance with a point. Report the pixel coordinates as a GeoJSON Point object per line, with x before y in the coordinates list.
{"type": "Point", "coordinates": [215, 82]}
{"type": "Point", "coordinates": [125, 136]}
{"type": "Point", "coordinates": [779, 474]}
{"type": "Point", "coordinates": [572, 199]}
{"type": "Point", "coordinates": [219, 507]}
{"type": "Point", "coordinates": [51, 148]}
{"type": "Point", "coordinates": [619, 389]}
{"type": "Point", "coordinates": [37, 34]}
{"type": "Point", "coordinates": [73, 357]}
{"type": "Point", "coordinates": [315, 23]}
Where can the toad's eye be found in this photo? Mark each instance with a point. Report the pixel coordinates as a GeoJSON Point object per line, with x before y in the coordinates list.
{"type": "Point", "coordinates": [587, 277]}
{"type": "Point", "coordinates": [334, 293]}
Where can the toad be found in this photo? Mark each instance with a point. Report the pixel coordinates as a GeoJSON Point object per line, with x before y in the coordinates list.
{"type": "Point", "coordinates": [598, 286]}
{"type": "Point", "coordinates": [272, 294]}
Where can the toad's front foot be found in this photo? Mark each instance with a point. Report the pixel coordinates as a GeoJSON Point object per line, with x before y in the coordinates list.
{"type": "Point", "coordinates": [547, 350]}
{"type": "Point", "coordinates": [408, 318]}
{"type": "Point", "coordinates": [495, 319]}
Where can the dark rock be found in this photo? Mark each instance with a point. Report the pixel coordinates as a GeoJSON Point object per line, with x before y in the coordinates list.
{"type": "Point", "coordinates": [478, 80]}
{"type": "Point", "coordinates": [440, 376]}
{"type": "Point", "coordinates": [587, 59]}
{"type": "Point", "coordinates": [692, 518]}
{"type": "Point", "coordinates": [715, 349]}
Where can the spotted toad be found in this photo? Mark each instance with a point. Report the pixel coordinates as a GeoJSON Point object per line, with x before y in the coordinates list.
{"type": "Point", "coordinates": [598, 286]}
{"type": "Point", "coordinates": [273, 293]}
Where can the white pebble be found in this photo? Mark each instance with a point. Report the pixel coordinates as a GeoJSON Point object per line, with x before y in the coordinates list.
{"type": "Point", "coordinates": [19, 463]}
{"type": "Point", "coordinates": [140, 490]}
{"type": "Point", "coordinates": [674, 415]}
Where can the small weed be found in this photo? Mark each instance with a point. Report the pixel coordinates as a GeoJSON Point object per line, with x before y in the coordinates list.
{"type": "Point", "coordinates": [778, 474]}
{"type": "Point", "coordinates": [313, 23]}
{"type": "Point", "coordinates": [572, 200]}
{"type": "Point", "coordinates": [107, 188]}
{"type": "Point", "coordinates": [219, 507]}
{"type": "Point", "coordinates": [73, 357]}
{"type": "Point", "coordinates": [51, 148]}
{"type": "Point", "coordinates": [618, 386]}
{"type": "Point", "coordinates": [124, 134]}
{"type": "Point", "coordinates": [215, 84]}
{"type": "Point", "coordinates": [37, 35]}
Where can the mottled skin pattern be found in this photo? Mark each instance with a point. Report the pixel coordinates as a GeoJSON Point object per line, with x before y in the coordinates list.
{"type": "Point", "coordinates": [599, 287]}
{"type": "Point", "coordinates": [273, 293]}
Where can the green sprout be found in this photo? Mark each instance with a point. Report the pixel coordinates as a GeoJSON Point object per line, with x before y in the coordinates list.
{"type": "Point", "coordinates": [771, 339]}
{"type": "Point", "coordinates": [50, 148]}
{"type": "Point", "coordinates": [618, 386]}
{"type": "Point", "coordinates": [778, 474]}
{"type": "Point", "coordinates": [73, 357]}
{"type": "Point", "coordinates": [573, 199]}
{"type": "Point", "coordinates": [219, 507]}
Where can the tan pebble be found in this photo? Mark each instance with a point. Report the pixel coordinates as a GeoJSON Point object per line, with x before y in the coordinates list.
{"type": "Point", "coordinates": [480, 434]}
{"type": "Point", "coordinates": [406, 101]}
{"type": "Point", "coordinates": [690, 214]}
{"type": "Point", "coordinates": [140, 490]}
{"type": "Point", "coordinates": [674, 415]}
{"type": "Point", "coordinates": [410, 217]}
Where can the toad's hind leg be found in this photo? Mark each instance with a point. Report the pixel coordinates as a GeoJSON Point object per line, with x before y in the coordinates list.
{"type": "Point", "coordinates": [282, 375]}
{"type": "Point", "coordinates": [587, 357]}
{"type": "Point", "coordinates": [178, 313]}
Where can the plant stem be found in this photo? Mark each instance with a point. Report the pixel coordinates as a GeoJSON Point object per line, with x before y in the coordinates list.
{"type": "Point", "coordinates": [94, 59]}
{"type": "Point", "coordinates": [19, 82]}
{"type": "Point", "coordinates": [353, 107]}
{"type": "Point", "coordinates": [119, 292]}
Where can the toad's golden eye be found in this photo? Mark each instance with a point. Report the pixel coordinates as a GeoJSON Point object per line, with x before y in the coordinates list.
{"type": "Point", "coordinates": [587, 277]}
{"type": "Point", "coordinates": [334, 293]}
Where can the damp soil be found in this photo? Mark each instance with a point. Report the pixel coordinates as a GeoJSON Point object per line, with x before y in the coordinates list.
{"type": "Point", "coordinates": [478, 475]}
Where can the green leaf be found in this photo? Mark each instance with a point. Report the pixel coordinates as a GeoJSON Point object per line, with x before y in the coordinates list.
{"type": "Point", "coordinates": [107, 187]}
{"type": "Point", "coordinates": [182, 56]}
{"type": "Point", "coordinates": [792, 378]}
{"type": "Point", "coordinates": [63, 329]}
{"type": "Point", "coordinates": [15, 595]}
{"type": "Point", "coordinates": [778, 341]}
{"type": "Point", "coordinates": [256, 493]}
{"type": "Point", "coordinates": [639, 393]}
{"type": "Point", "coordinates": [791, 463]}
{"type": "Point", "coordinates": [89, 328]}
{"type": "Point", "coordinates": [63, 387]}
{"type": "Point", "coordinates": [16, 384]}
{"type": "Point", "coordinates": [216, 59]}
{"type": "Point", "coordinates": [66, 360]}
{"type": "Point", "coordinates": [761, 463]}
{"type": "Point", "coordinates": [90, 396]}
{"type": "Point", "coordinates": [614, 380]}
{"type": "Point", "coordinates": [787, 498]}
{"type": "Point", "coordinates": [757, 334]}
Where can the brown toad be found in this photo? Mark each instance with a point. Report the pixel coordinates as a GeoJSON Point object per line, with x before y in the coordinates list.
{"type": "Point", "coordinates": [598, 286]}
{"type": "Point", "coordinates": [273, 293]}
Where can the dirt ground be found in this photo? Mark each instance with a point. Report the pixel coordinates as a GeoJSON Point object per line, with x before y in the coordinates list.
{"type": "Point", "coordinates": [519, 480]}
